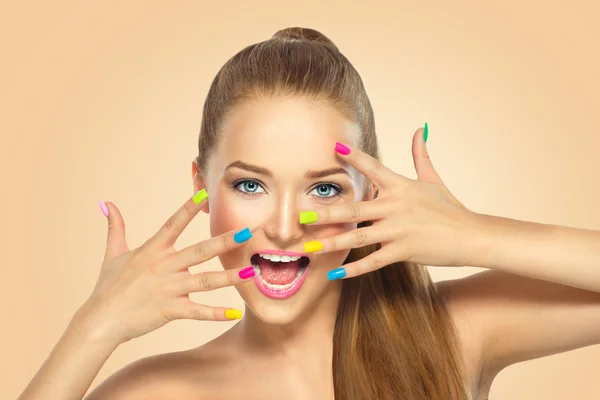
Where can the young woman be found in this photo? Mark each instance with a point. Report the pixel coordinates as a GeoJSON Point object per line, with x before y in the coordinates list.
{"type": "Point", "coordinates": [327, 248]}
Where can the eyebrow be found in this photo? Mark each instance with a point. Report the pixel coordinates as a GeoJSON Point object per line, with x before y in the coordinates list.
{"type": "Point", "coordinates": [311, 174]}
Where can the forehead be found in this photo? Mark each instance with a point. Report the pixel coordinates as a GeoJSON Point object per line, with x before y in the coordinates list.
{"type": "Point", "coordinates": [279, 132]}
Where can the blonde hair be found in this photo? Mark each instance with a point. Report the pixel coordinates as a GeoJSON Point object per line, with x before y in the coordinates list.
{"type": "Point", "coordinates": [394, 337]}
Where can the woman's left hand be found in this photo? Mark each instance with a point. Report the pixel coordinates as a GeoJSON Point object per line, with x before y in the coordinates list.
{"type": "Point", "coordinates": [414, 220]}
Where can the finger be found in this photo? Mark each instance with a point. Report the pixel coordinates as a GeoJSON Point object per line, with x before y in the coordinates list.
{"type": "Point", "coordinates": [359, 211]}
{"type": "Point", "coordinates": [172, 229]}
{"type": "Point", "coordinates": [184, 308]}
{"type": "Point", "coordinates": [372, 168]}
{"type": "Point", "coordinates": [212, 280]}
{"type": "Point", "coordinates": [372, 262]}
{"type": "Point", "coordinates": [116, 243]}
{"type": "Point", "coordinates": [207, 249]}
{"type": "Point", "coordinates": [349, 240]}
{"type": "Point", "coordinates": [423, 164]}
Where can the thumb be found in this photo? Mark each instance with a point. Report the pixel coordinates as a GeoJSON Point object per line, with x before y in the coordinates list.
{"type": "Point", "coordinates": [116, 244]}
{"type": "Point", "coordinates": [423, 165]}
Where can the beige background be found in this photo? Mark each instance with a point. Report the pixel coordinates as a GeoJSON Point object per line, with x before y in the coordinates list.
{"type": "Point", "coordinates": [103, 101]}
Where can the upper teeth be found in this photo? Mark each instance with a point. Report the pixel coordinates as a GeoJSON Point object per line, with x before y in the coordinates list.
{"type": "Point", "coordinates": [278, 258]}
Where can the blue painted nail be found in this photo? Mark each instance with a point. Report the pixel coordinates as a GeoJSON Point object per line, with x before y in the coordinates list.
{"type": "Point", "coordinates": [242, 236]}
{"type": "Point", "coordinates": [336, 273]}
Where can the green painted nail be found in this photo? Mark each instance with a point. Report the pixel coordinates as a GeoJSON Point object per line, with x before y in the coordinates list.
{"type": "Point", "coordinates": [308, 217]}
{"type": "Point", "coordinates": [200, 196]}
{"type": "Point", "coordinates": [425, 132]}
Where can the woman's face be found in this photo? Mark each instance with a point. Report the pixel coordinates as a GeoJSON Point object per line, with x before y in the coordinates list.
{"type": "Point", "coordinates": [275, 158]}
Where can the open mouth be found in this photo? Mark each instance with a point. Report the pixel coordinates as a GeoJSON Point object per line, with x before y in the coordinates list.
{"type": "Point", "coordinates": [278, 275]}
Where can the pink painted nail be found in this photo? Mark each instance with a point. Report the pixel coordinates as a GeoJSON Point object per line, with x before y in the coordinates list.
{"type": "Point", "coordinates": [247, 272]}
{"type": "Point", "coordinates": [340, 148]}
{"type": "Point", "coordinates": [103, 208]}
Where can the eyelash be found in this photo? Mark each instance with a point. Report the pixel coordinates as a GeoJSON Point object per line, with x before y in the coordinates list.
{"type": "Point", "coordinates": [340, 190]}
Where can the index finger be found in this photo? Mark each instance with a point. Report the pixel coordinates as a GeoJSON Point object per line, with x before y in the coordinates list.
{"type": "Point", "coordinates": [172, 229]}
{"type": "Point", "coordinates": [207, 249]}
{"type": "Point", "coordinates": [358, 211]}
{"type": "Point", "coordinates": [372, 168]}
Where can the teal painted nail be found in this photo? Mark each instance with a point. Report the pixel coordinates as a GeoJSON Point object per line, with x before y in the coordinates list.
{"type": "Point", "coordinates": [336, 273]}
{"type": "Point", "coordinates": [425, 132]}
{"type": "Point", "coordinates": [242, 236]}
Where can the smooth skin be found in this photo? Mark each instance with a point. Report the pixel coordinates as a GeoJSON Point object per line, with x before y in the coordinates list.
{"type": "Point", "coordinates": [503, 315]}
{"type": "Point", "coordinates": [137, 292]}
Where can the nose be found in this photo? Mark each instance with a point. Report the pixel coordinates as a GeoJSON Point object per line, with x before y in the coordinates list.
{"type": "Point", "coordinates": [283, 226]}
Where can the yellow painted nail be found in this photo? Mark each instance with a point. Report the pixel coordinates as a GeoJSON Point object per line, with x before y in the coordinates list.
{"type": "Point", "coordinates": [312, 246]}
{"type": "Point", "coordinates": [233, 314]}
{"type": "Point", "coordinates": [308, 217]}
{"type": "Point", "coordinates": [200, 196]}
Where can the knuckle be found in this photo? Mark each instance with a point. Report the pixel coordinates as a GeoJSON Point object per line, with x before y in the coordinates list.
{"type": "Point", "coordinates": [196, 313]}
{"type": "Point", "coordinates": [231, 276]}
{"type": "Point", "coordinates": [355, 211]}
{"type": "Point", "coordinates": [376, 263]}
{"type": "Point", "coordinates": [361, 237]}
{"type": "Point", "coordinates": [188, 209]}
{"type": "Point", "coordinates": [170, 223]}
{"type": "Point", "coordinates": [333, 244]}
{"type": "Point", "coordinates": [228, 241]}
{"type": "Point", "coordinates": [200, 251]}
{"type": "Point", "coordinates": [204, 281]}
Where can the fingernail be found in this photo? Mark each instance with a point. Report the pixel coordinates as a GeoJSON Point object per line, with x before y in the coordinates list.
{"type": "Point", "coordinates": [200, 196]}
{"type": "Point", "coordinates": [312, 246]}
{"type": "Point", "coordinates": [342, 149]}
{"type": "Point", "coordinates": [242, 236]}
{"type": "Point", "coordinates": [247, 272]}
{"type": "Point", "coordinates": [336, 273]}
{"type": "Point", "coordinates": [308, 217]}
{"type": "Point", "coordinates": [233, 314]}
{"type": "Point", "coordinates": [425, 132]}
{"type": "Point", "coordinates": [103, 208]}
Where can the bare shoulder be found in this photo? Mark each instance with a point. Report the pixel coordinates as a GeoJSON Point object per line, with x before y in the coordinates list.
{"type": "Point", "coordinates": [469, 331]}
{"type": "Point", "coordinates": [168, 375]}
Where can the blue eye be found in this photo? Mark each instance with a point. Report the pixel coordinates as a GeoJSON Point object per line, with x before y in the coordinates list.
{"type": "Point", "coordinates": [327, 190]}
{"type": "Point", "coordinates": [248, 186]}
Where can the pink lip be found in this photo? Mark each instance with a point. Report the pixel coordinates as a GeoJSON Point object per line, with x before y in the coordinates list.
{"type": "Point", "coordinates": [281, 293]}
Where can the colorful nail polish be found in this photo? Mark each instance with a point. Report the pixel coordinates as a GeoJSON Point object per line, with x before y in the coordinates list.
{"type": "Point", "coordinates": [242, 236]}
{"type": "Point", "coordinates": [425, 132]}
{"type": "Point", "coordinates": [312, 246]}
{"type": "Point", "coordinates": [342, 149]}
{"type": "Point", "coordinates": [247, 272]}
{"type": "Point", "coordinates": [200, 196]}
{"type": "Point", "coordinates": [308, 217]}
{"type": "Point", "coordinates": [233, 314]}
{"type": "Point", "coordinates": [336, 273]}
{"type": "Point", "coordinates": [103, 208]}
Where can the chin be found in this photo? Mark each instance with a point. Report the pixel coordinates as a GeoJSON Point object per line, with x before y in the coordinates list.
{"type": "Point", "coordinates": [274, 313]}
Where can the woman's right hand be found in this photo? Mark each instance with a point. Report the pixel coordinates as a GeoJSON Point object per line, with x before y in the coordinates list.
{"type": "Point", "coordinates": [139, 291]}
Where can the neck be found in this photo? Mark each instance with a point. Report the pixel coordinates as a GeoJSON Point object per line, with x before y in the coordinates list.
{"type": "Point", "coordinates": [307, 339]}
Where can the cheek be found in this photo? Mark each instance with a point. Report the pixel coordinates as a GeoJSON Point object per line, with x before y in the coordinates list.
{"type": "Point", "coordinates": [230, 212]}
{"type": "Point", "coordinates": [323, 231]}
